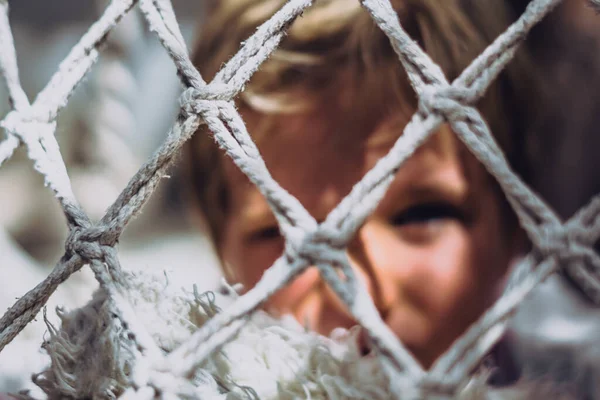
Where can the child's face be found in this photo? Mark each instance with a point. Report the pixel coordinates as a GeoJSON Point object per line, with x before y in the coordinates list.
{"type": "Point", "coordinates": [432, 255]}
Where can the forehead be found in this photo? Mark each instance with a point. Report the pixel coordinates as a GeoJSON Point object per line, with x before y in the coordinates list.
{"type": "Point", "coordinates": [319, 157]}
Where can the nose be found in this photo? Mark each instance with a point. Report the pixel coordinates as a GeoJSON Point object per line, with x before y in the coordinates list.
{"type": "Point", "coordinates": [374, 253]}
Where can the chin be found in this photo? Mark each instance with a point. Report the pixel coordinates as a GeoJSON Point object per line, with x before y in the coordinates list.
{"type": "Point", "coordinates": [420, 339]}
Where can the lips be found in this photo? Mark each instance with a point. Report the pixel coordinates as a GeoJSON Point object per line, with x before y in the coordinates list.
{"type": "Point", "coordinates": [364, 343]}
{"type": "Point", "coordinates": [367, 348]}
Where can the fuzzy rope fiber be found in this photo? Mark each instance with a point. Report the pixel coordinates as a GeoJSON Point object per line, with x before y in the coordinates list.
{"type": "Point", "coordinates": [270, 358]}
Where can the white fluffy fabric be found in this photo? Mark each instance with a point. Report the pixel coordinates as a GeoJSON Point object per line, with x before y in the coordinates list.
{"type": "Point", "coordinates": [270, 358]}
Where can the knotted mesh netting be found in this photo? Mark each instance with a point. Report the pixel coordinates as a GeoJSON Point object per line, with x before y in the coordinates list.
{"type": "Point", "coordinates": [558, 246]}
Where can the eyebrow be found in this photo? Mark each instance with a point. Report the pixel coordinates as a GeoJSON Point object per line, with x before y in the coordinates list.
{"type": "Point", "coordinates": [422, 178]}
{"type": "Point", "coordinates": [430, 190]}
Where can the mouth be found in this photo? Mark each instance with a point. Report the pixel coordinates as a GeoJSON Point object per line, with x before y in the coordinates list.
{"type": "Point", "coordinates": [368, 349]}
{"type": "Point", "coordinates": [365, 344]}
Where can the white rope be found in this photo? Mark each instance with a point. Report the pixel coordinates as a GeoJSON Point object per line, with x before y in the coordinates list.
{"type": "Point", "coordinates": [565, 246]}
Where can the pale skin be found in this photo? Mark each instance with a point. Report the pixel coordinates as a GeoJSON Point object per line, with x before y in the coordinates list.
{"type": "Point", "coordinates": [433, 255]}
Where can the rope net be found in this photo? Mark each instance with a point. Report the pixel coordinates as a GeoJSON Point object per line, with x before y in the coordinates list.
{"type": "Point", "coordinates": [558, 246]}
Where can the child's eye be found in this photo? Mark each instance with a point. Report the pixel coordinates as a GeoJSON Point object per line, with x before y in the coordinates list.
{"type": "Point", "coordinates": [263, 234]}
{"type": "Point", "coordinates": [427, 213]}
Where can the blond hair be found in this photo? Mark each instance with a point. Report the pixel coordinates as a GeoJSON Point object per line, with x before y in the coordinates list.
{"type": "Point", "coordinates": [335, 49]}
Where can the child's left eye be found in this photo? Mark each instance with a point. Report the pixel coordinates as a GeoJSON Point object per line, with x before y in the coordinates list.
{"type": "Point", "coordinates": [427, 213]}
{"type": "Point", "coordinates": [264, 234]}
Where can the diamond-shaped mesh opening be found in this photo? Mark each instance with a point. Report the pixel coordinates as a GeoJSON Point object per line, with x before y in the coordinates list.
{"type": "Point", "coordinates": [555, 243]}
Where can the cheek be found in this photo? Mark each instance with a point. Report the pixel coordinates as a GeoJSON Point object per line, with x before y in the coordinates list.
{"type": "Point", "coordinates": [301, 297]}
{"type": "Point", "coordinates": [245, 261]}
{"type": "Point", "coordinates": [444, 274]}
{"type": "Point", "coordinates": [459, 276]}
{"type": "Point", "coordinates": [248, 263]}
{"type": "Point", "coordinates": [464, 275]}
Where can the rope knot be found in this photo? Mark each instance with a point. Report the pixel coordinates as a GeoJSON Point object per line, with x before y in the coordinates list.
{"type": "Point", "coordinates": [319, 245]}
{"type": "Point", "coordinates": [440, 388]}
{"type": "Point", "coordinates": [571, 245]}
{"type": "Point", "coordinates": [206, 100]}
{"type": "Point", "coordinates": [28, 122]}
{"type": "Point", "coordinates": [83, 241]}
{"type": "Point", "coordinates": [557, 241]}
{"type": "Point", "coordinates": [448, 101]}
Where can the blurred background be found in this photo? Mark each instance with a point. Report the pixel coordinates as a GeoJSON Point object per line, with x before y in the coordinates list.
{"type": "Point", "coordinates": [123, 110]}
{"type": "Point", "coordinates": [116, 118]}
